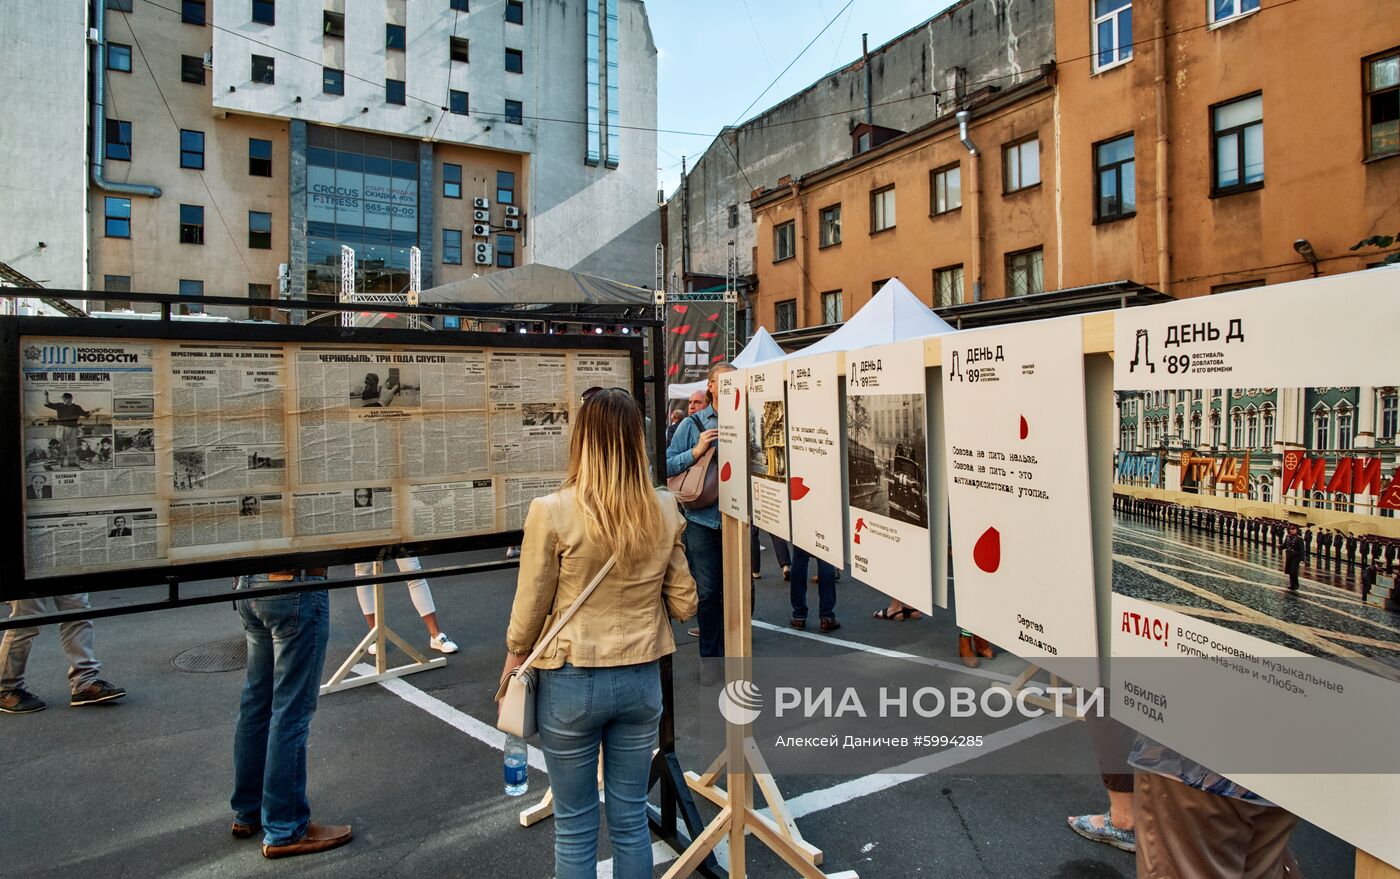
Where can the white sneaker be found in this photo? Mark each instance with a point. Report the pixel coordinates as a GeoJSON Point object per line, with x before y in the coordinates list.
{"type": "Point", "coordinates": [373, 649]}
{"type": "Point", "coordinates": [443, 644]}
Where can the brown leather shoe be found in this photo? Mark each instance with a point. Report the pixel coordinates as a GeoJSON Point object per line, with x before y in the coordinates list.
{"type": "Point", "coordinates": [969, 656]}
{"type": "Point", "coordinates": [798, 622]}
{"type": "Point", "coordinates": [318, 838]}
{"type": "Point", "coordinates": [829, 624]}
{"type": "Point", "coordinates": [983, 647]}
{"type": "Point", "coordinates": [244, 831]}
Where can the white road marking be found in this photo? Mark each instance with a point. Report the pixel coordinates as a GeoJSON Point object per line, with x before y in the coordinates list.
{"type": "Point", "coordinates": [892, 654]}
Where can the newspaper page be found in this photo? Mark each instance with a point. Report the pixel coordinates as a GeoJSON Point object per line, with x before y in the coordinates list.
{"type": "Point", "coordinates": [89, 419]}
{"type": "Point", "coordinates": [227, 407]}
{"type": "Point", "coordinates": [123, 536]}
{"type": "Point", "coordinates": [449, 508]}
{"type": "Point", "coordinates": [519, 491]}
{"type": "Point", "coordinates": [350, 402]}
{"type": "Point", "coordinates": [446, 435]}
{"type": "Point", "coordinates": [529, 412]}
{"type": "Point", "coordinates": [343, 511]}
{"type": "Point", "coordinates": [206, 522]}
{"type": "Point", "coordinates": [598, 370]}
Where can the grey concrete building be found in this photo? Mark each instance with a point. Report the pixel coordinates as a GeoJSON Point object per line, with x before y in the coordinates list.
{"type": "Point", "coordinates": [913, 79]}
{"type": "Point", "coordinates": [226, 139]}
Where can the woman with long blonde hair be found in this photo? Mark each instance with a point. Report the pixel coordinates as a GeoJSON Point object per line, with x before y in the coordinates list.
{"type": "Point", "coordinates": [599, 678]}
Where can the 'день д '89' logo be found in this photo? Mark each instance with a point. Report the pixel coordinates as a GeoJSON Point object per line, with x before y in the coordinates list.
{"type": "Point", "coordinates": [740, 702]}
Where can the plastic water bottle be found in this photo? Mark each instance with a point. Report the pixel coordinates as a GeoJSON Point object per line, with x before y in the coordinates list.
{"type": "Point", "coordinates": [517, 766]}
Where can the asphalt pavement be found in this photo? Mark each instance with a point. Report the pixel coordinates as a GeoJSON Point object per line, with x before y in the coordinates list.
{"type": "Point", "coordinates": [140, 788]}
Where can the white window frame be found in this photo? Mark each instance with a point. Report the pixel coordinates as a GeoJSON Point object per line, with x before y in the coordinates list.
{"type": "Point", "coordinates": [1123, 53]}
{"type": "Point", "coordinates": [882, 209]}
{"type": "Point", "coordinates": [1013, 155]}
{"type": "Point", "coordinates": [1233, 16]}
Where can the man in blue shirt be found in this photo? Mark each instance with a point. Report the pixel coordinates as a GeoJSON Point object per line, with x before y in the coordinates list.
{"type": "Point", "coordinates": [703, 549]}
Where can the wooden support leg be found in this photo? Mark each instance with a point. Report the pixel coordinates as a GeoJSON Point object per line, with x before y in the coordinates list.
{"type": "Point", "coordinates": [1371, 867]}
{"type": "Point", "coordinates": [702, 846]}
{"type": "Point", "coordinates": [379, 635]}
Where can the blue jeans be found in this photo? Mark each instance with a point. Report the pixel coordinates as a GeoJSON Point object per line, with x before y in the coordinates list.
{"type": "Point", "coordinates": [780, 550]}
{"type": "Point", "coordinates": [287, 637]}
{"type": "Point", "coordinates": [704, 550]}
{"type": "Point", "coordinates": [579, 709]}
{"type": "Point", "coordinates": [826, 586]}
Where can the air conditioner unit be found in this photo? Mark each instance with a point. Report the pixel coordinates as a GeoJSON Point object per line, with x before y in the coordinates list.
{"type": "Point", "coordinates": [513, 225]}
{"type": "Point", "coordinates": [92, 36]}
{"type": "Point", "coordinates": [512, 211]}
{"type": "Point", "coordinates": [481, 230]}
{"type": "Point", "coordinates": [481, 216]}
{"type": "Point", "coordinates": [481, 203]}
{"type": "Point", "coordinates": [482, 254]}
{"type": "Point", "coordinates": [209, 60]}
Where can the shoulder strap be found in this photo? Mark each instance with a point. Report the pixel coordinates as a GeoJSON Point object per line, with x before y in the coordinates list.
{"type": "Point", "coordinates": [558, 626]}
{"type": "Point", "coordinates": [699, 425]}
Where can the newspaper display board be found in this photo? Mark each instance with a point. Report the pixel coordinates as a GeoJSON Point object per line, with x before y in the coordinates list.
{"type": "Point", "coordinates": [1015, 440]}
{"type": "Point", "coordinates": [173, 451]}
{"type": "Point", "coordinates": [767, 449]}
{"type": "Point", "coordinates": [887, 453]}
{"type": "Point", "coordinates": [732, 411]}
{"type": "Point", "coordinates": [1274, 636]}
{"type": "Point", "coordinates": [814, 456]}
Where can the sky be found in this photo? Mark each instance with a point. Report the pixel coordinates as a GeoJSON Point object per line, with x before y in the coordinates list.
{"type": "Point", "coordinates": [714, 57]}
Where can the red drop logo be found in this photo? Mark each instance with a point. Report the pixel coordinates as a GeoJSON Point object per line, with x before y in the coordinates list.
{"type": "Point", "coordinates": [725, 472]}
{"type": "Point", "coordinates": [736, 399]}
{"type": "Point", "coordinates": [987, 551]}
{"type": "Point", "coordinates": [1025, 428]}
{"type": "Point", "coordinates": [797, 488]}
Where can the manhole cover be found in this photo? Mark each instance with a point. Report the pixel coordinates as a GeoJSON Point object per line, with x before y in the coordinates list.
{"type": "Point", "coordinates": [230, 654]}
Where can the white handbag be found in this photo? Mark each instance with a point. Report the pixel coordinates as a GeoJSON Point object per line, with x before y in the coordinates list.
{"type": "Point", "coordinates": [518, 688]}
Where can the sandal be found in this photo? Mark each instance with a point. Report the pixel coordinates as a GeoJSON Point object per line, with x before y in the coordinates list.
{"type": "Point", "coordinates": [1125, 840]}
{"type": "Point", "coordinates": [904, 613]}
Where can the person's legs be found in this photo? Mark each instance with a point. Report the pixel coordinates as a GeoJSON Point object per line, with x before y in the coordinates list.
{"type": "Point", "coordinates": [78, 640]}
{"type": "Point", "coordinates": [1185, 833]}
{"type": "Point", "coordinates": [628, 740]}
{"type": "Point", "coordinates": [15, 647]}
{"type": "Point", "coordinates": [254, 713]}
{"type": "Point", "coordinates": [755, 550]}
{"type": "Point", "coordinates": [571, 712]}
{"type": "Point", "coordinates": [300, 627]}
{"type": "Point", "coordinates": [797, 587]}
{"type": "Point", "coordinates": [1268, 854]}
{"type": "Point", "coordinates": [781, 550]}
{"type": "Point", "coordinates": [826, 590]}
{"type": "Point", "coordinates": [704, 552]}
{"type": "Point", "coordinates": [421, 595]}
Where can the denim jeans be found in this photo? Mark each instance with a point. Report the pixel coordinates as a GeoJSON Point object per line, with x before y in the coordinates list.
{"type": "Point", "coordinates": [287, 637]}
{"type": "Point", "coordinates": [780, 550]}
{"type": "Point", "coordinates": [826, 586]}
{"type": "Point", "coordinates": [704, 550]}
{"type": "Point", "coordinates": [579, 709]}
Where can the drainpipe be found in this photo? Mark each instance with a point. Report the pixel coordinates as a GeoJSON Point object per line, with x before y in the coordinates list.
{"type": "Point", "coordinates": [974, 193]}
{"type": "Point", "coordinates": [869, 106]}
{"type": "Point", "coordinates": [99, 116]}
{"type": "Point", "coordinates": [685, 221]}
{"type": "Point", "coordinates": [804, 312]}
{"type": "Point", "coordinates": [1159, 63]}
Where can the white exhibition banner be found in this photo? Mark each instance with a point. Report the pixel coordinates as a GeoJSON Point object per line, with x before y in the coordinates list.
{"type": "Point", "coordinates": [733, 444]}
{"type": "Point", "coordinates": [887, 466]}
{"type": "Point", "coordinates": [1018, 492]}
{"type": "Point", "coordinates": [767, 448]}
{"type": "Point", "coordinates": [1238, 416]}
{"type": "Point", "coordinates": [814, 456]}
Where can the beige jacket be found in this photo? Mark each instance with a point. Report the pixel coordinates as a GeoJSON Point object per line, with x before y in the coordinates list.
{"type": "Point", "coordinates": [625, 620]}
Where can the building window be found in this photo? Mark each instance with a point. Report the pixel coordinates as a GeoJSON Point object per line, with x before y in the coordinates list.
{"type": "Point", "coordinates": [876, 285]}
{"type": "Point", "coordinates": [459, 49]}
{"type": "Point", "coordinates": [515, 112]}
{"type": "Point", "coordinates": [733, 216]}
{"type": "Point", "coordinates": [831, 307]}
{"type": "Point", "coordinates": [116, 284]}
{"type": "Point", "coordinates": [451, 181]}
{"type": "Point", "coordinates": [452, 247]}
{"type": "Point", "coordinates": [1381, 76]}
{"type": "Point", "coordinates": [332, 81]}
{"type": "Point", "coordinates": [830, 222]}
{"type": "Point", "coordinates": [1344, 422]}
{"type": "Point", "coordinates": [1115, 186]}
{"type": "Point", "coordinates": [192, 149]}
{"type": "Point", "coordinates": [1215, 430]}
{"type": "Point", "coordinates": [1237, 285]}
{"type": "Point", "coordinates": [192, 69]}
{"type": "Point", "coordinates": [395, 37]}
{"type": "Point", "coordinates": [192, 12]}
{"type": "Point", "coordinates": [259, 230]}
{"type": "Point", "coordinates": [259, 157]}
{"type": "Point", "coordinates": [265, 11]}
{"type": "Point", "coordinates": [515, 11]}
{"type": "Point", "coordinates": [264, 69]}
{"type": "Point", "coordinates": [1196, 430]}
{"type": "Point", "coordinates": [1238, 130]}
{"type": "Point", "coordinates": [1236, 429]}
{"type": "Point", "coordinates": [1252, 422]}
{"type": "Point", "coordinates": [1390, 415]}
{"type": "Point", "coordinates": [505, 187]}
{"type": "Point", "coordinates": [458, 5]}
{"type": "Point", "coordinates": [785, 315]}
{"type": "Point", "coordinates": [505, 251]}
{"type": "Point", "coordinates": [946, 186]}
{"type": "Point", "coordinates": [882, 209]}
{"type": "Point", "coordinates": [1113, 32]}
{"type": "Point", "coordinates": [333, 24]}
{"type": "Point", "coordinates": [1020, 164]}
{"type": "Point", "coordinates": [1267, 416]}
{"type": "Point", "coordinates": [1322, 428]}
{"type": "Point", "coordinates": [118, 140]}
{"type": "Point", "coordinates": [948, 286]}
{"type": "Point", "coordinates": [515, 61]}
{"type": "Point", "coordinates": [1025, 272]}
{"type": "Point", "coordinates": [119, 57]}
{"type": "Point", "coordinates": [118, 217]}
{"type": "Point", "coordinates": [784, 237]}
{"type": "Point", "coordinates": [394, 92]}
{"type": "Point", "coordinates": [191, 224]}
{"type": "Point", "coordinates": [259, 312]}
{"type": "Point", "coordinates": [457, 102]}
{"type": "Point", "coordinates": [1224, 10]}
{"type": "Point", "coordinates": [192, 288]}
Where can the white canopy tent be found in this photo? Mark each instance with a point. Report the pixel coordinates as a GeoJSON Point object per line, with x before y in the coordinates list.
{"type": "Point", "coordinates": [893, 314]}
{"type": "Point", "coordinates": [760, 349]}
